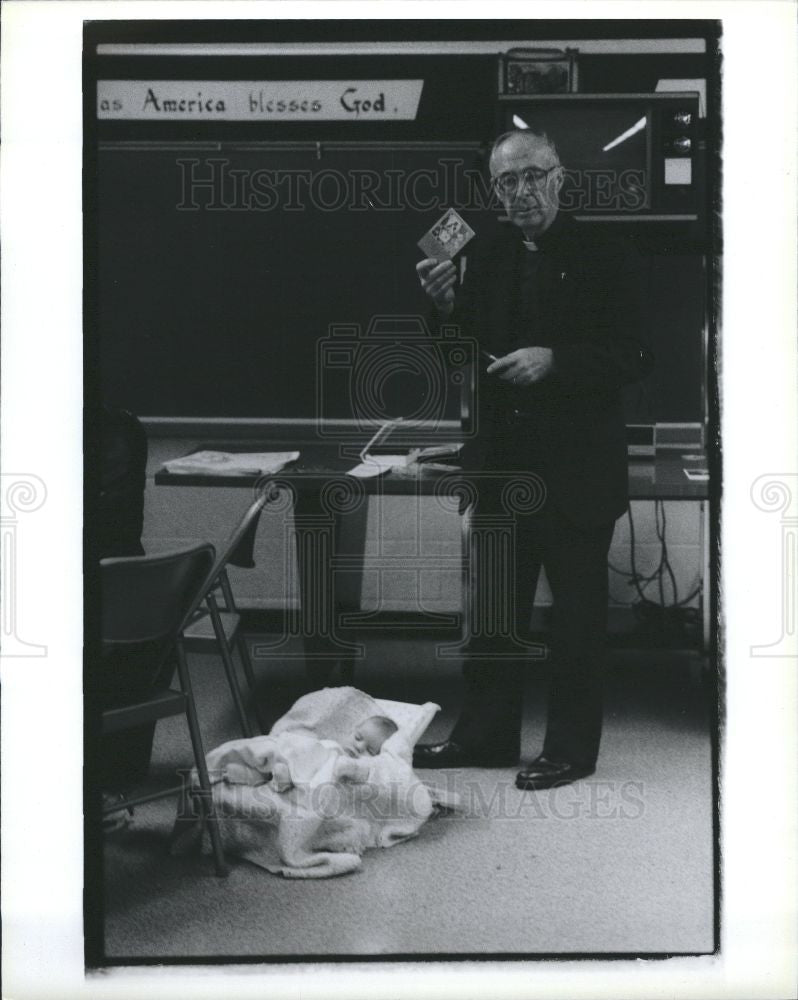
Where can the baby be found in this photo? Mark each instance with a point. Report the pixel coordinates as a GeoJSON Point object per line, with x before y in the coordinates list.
{"type": "Point", "coordinates": [299, 758]}
{"type": "Point", "coordinates": [369, 736]}
{"type": "Point", "coordinates": [367, 742]}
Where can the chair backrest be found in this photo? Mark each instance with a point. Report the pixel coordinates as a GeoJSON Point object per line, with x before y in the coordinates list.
{"type": "Point", "coordinates": [149, 598]}
{"type": "Point", "coordinates": [240, 547]}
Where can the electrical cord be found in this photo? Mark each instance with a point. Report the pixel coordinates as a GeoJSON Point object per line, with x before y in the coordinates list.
{"type": "Point", "coordinates": [661, 526]}
{"type": "Point", "coordinates": [670, 616]}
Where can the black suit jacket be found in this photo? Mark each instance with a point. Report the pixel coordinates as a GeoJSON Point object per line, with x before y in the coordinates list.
{"type": "Point", "coordinates": [588, 314]}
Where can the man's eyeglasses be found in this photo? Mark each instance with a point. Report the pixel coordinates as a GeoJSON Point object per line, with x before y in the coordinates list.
{"type": "Point", "coordinates": [534, 177]}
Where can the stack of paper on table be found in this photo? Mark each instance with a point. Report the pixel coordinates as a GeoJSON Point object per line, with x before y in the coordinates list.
{"type": "Point", "coordinates": [376, 465]}
{"type": "Point", "coordinates": [226, 463]}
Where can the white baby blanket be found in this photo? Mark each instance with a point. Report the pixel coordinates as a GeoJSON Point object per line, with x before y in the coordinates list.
{"type": "Point", "coordinates": [295, 804]}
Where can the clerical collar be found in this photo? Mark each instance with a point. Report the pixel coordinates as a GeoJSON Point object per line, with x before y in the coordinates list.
{"type": "Point", "coordinates": [530, 245]}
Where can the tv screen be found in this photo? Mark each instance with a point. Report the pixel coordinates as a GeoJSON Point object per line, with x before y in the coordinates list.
{"type": "Point", "coordinates": [605, 150]}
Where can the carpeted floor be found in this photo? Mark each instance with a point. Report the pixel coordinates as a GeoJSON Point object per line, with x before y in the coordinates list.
{"type": "Point", "coordinates": [621, 862]}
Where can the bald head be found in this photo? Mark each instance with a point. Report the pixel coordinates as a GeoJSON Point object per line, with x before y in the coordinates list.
{"type": "Point", "coordinates": [526, 172]}
{"type": "Point", "coordinates": [524, 139]}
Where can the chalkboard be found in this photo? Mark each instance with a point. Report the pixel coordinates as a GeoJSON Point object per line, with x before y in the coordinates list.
{"type": "Point", "coordinates": [257, 280]}
{"type": "Point", "coordinates": [245, 299]}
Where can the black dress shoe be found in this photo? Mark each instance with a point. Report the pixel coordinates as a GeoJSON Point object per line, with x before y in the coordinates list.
{"type": "Point", "coordinates": [545, 773]}
{"type": "Point", "coordinates": [451, 754]}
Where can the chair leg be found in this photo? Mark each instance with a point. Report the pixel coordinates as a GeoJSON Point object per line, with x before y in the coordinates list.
{"type": "Point", "coordinates": [243, 650]}
{"type": "Point", "coordinates": [249, 673]}
{"type": "Point", "coordinates": [229, 666]}
{"type": "Point", "coordinates": [199, 759]}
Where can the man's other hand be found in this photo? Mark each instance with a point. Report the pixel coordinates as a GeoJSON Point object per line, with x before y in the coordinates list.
{"type": "Point", "coordinates": [438, 281]}
{"type": "Point", "coordinates": [525, 366]}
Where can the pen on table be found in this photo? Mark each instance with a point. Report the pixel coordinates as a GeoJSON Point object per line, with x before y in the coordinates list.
{"type": "Point", "coordinates": [380, 434]}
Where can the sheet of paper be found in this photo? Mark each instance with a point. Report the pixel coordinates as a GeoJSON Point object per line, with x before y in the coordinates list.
{"type": "Point", "coordinates": [377, 465]}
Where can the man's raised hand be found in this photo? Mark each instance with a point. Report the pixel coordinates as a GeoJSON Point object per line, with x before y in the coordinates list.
{"type": "Point", "coordinates": [438, 280]}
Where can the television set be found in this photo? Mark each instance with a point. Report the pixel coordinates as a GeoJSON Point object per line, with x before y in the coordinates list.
{"type": "Point", "coordinates": [626, 156]}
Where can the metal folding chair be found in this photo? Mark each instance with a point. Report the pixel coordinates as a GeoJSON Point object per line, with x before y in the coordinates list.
{"type": "Point", "coordinates": [146, 601]}
{"type": "Point", "coordinates": [216, 625]}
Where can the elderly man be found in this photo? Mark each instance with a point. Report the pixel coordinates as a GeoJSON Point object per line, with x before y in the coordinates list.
{"type": "Point", "coordinates": [555, 306]}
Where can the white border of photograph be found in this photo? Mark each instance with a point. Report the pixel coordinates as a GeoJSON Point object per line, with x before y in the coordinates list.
{"type": "Point", "coordinates": [42, 440]}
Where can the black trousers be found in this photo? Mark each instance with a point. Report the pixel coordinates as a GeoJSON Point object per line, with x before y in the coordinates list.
{"type": "Point", "coordinates": [514, 530]}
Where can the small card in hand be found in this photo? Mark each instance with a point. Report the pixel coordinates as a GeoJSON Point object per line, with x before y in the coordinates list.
{"type": "Point", "coordinates": [447, 237]}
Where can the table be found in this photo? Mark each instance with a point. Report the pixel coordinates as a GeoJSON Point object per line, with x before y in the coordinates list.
{"type": "Point", "coordinates": [661, 478]}
{"type": "Point", "coordinates": [325, 499]}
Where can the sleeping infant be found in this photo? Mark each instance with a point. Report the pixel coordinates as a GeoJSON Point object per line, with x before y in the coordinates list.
{"type": "Point", "coordinates": [369, 736]}
{"type": "Point", "coordinates": [361, 753]}
{"type": "Point", "coordinates": [367, 742]}
{"type": "Point", "coordinates": [296, 758]}
{"type": "Point", "coordinates": [332, 780]}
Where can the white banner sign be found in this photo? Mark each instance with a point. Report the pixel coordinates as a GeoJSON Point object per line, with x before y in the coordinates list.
{"type": "Point", "coordinates": [259, 100]}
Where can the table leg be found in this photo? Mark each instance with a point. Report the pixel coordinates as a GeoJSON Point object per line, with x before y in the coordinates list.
{"type": "Point", "coordinates": [349, 557]}
{"type": "Point", "coordinates": [327, 589]}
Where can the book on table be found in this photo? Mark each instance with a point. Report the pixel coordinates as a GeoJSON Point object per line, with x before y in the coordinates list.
{"type": "Point", "coordinates": [231, 463]}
